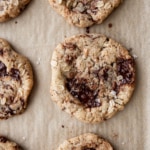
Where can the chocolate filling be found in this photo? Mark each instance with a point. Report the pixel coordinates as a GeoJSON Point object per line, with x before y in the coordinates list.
{"type": "Point", "coordinates": [3, 139]}
{"type": "Point", "coordinates": [1, 52]}
{"type": "Point", "coordinates": [79, 89]}
{"type": "Point", "coordinates": [125, 69]}
{"type": "Point", "coordinates": [15, 73]}
{"type": "Point", "coordinates": [3, 69]}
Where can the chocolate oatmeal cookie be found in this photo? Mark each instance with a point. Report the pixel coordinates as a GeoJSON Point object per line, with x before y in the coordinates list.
{"type": "Point", "coordinates": [16, 81]}
{"type": "Point", "coordinates": [86, 141]}
{"type": "Point", "coordinates": [84, 13]}
{"type": "Point", "coordinates": [6, 144]}
{"type": "Point", "coordinates": [93, 77]}
{"type": "Point", "coordinates": [11, 8]}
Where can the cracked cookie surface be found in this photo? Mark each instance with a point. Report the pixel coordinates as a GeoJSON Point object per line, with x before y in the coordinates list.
{"type": "Point", "coordinates": [86, 141]}
{"type": "Point", "coordinates": [93, 77]}
{"type": "Point", "coordinates": [16, 81]}
{"type": "Point", "coordinates": [11, 8]}
{"type": "Point", "coordinates": [84, 13]}
{"type": "Point", "coordinates": [6, 144]}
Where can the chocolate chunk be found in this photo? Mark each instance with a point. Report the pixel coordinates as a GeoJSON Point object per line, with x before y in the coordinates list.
{"type": "Point", "coordinates": [15, 74]}
{"type": "Point", "coordinates": [69, 59]}
{"type": "Point", "coordinates": [1, 52]}
{"type": "Point", "coordinates": [86, 148]}
{"type": "Point", "coordinates": [79, 89]}
{"type": "Point", "coordinates": [3, 139]}
{"type": "Point", "coordinates": [3, 69]}
{"type": "Point", "coordinates": [125, 69]}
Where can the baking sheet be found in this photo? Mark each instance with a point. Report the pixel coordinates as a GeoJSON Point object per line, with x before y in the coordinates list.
{"type": "Point", "coordinates": [44, 126]}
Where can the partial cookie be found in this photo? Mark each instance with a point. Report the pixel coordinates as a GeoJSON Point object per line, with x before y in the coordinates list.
{"type": "Point", "coordinates": [93, 77]}
{"type": "Point", "coordinates": [11, 8]}
{"type": "Point", "coordinates": [6, 144]}
{"type": "Point", "coordinates": [16, 81]}
{"type": "Point", "coordinates": [84, 13]}
{"type": "Point", "coordinates": [86, 141]}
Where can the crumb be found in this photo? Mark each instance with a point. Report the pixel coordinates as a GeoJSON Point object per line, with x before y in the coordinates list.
{"type": "Point", "coordinates": [134, 56]}
{"type": "Point", "coordinates": [115, 135]}
{"type": "Point", "coordinates": [62, 126]}
{"type": "Point", "coordinates": [110, 25]}
{"type": "Point", "coordinates": [38, 61]}
{"type": "Point", "coordinates": [87, 29]}
{"type": "Point", "coordinates": [130, 49]}
{"type": "Point", "coordinates": [123, 143]}
{"type": "Point", "coordinates": [23, 138]}
{"type": "Point", "coordinates": [16, 22]}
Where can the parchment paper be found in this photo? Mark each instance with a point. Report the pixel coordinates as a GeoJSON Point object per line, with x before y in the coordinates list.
{"type": "Point", "coordinates": [35, 34]}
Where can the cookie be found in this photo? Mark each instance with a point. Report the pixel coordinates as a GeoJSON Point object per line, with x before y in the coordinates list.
{"type": "Point", "coordinates": [93, 77]}
{"type": "Point", "coordinates": [6, 144]}
{"type": "Point", "coordinates": [86, 141]}
{"type": "Point", "coordinates": [16, 81]}
{"type": "Point", "coordinates": [11, 8]}
{"type": "Point", "coordinates": [84, 13]}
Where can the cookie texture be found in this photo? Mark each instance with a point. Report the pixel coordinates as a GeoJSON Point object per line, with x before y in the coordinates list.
{"type": "Point", "coordinates": [84, 13]}
{"type": "Point", "coordinates": [16, 81]}
{"type": "Point", "coordinates": [11, 8]}
{"type": "Point", "coordinates": [93, 77]}
{"type": "Point", "coordinates": [6, 144]}
{"type": "Point", "coordinates": [86, 141]}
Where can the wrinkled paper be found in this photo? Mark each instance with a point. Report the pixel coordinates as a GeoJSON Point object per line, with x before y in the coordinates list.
{"type": "Point", "coordinates": [43, 126]}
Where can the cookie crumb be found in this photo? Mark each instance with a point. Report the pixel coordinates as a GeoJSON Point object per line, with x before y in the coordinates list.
{"type": "Point", "coordinates": [115, 135]}
{"type": "Point", "coordinates": [135, 56]}
{"type": "Point", "coordinates": [38, 61]}
{"type": "Point", "coordinates": [110, 25]}
{"type": "Point", "coordinates": [62, 126]}
{"type": "Point", "coordinates": [130, 49]}
{"type": "Point", "coordinates": [24, 138]}
{"type": "Point", "coordinates": [16, 22]}
{"type": "Point", "coordinates": [123, 143]}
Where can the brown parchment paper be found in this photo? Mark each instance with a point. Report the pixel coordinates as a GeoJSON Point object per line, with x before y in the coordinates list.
{"type": "Point", "coordinates": [35, 34]}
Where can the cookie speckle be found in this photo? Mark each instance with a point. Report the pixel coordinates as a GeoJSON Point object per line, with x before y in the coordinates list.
{"type": "Point", "coordinates": [110, 25]}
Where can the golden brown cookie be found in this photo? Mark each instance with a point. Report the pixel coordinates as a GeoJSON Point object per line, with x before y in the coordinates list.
{"type": "Point", "coordinates": [11, 8]}
{"type": "Point", "coordinates": [93, 77]}
{"type": "Point", "coordinates": [86, 141]}
{"type": "Point", "coordinates": [6, 144]}
{"type": "Point", "coordinates": [16, 81]}
{"type": "Point", "coordinates": [84, 13]}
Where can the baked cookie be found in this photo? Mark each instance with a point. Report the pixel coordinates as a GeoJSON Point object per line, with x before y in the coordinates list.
{"type": "Point", "coordinates": [16, 81]}
{"type": "Point", "coordinates": [11, 8]}
{"type": "Point", "coordinates": [5, 144]}
{"type": "Point", "coordinates": [84, 13]}
{"type": "Point", "coordinates": [86, 141]}
{"type": "Point", "coordinates": [92, 77]}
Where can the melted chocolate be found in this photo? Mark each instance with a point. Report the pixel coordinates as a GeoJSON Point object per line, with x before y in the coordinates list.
{"type": "Point", "coordinates": [3, 69]}
{"type": "Point", "coordinates": [1, 52]}
{"type": "Point", "coordinates": [15, 73]}
{"type": "Point", "coordinates": [3, 139]}
{"type": "Point", "coordinates": [124, 68]}
{"type": "Point", "coordinates": [79, 89]}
